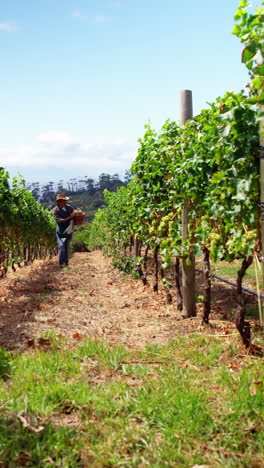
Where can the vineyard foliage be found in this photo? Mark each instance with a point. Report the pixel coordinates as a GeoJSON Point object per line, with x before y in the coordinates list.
{"type": "Point", "coordinates": [26, 229]}
{"type": "Point", "coordinates": [211, 161]}
{"type": "Point", "coordinates": [249, 28]}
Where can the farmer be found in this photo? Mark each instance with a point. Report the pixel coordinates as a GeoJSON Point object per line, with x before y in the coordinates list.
{"type": "Point", "coordinates": [63, 215]}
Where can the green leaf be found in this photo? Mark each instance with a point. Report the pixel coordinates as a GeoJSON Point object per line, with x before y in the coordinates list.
{"type": "Point", "coordinates": [139, 261]}
{"type": "Point", "coordinates": [236, 30]}
{"type": "Point", "coordinates": [197, 250]}
{"type": "Point", "coordinates": [217, 177]}
{"type": "Point", "coordinates": [249, 52]}
{"type": "Point", "coordinates": [259, 70]}
{"type": "Point", "coordinates": [243, 4]}
{"type": "Point", "coordinates": [238, 15]}
{"type": "Point", "coordinates": [260, 116]}
{"type": "Point", "coordinates": [253, 100]}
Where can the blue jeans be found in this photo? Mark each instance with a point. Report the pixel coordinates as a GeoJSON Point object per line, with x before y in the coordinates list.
{"type": "Point", "coordinates": [63, 246]}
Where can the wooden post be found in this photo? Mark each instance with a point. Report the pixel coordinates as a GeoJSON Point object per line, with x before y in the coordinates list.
{"type": "Point", "coordinates": [261, 144]}
{"type": "Point", "coordinates": [188, 265]}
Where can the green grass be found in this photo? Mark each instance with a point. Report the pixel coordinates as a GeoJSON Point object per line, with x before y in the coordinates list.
{"type": "Point", "coordinates": [230, 271]}
{"type": "Point", "coordinates": [79, 242]}
{"type": "Point", "coordinates": [189, 402]}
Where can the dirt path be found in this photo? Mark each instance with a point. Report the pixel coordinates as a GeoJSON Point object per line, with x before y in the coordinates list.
{"type": "Point", "coordinates": [90, 298]}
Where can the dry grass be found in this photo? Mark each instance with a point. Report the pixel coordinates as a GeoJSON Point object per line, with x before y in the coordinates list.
{"type": "Point", "coordinates": [91, 299]}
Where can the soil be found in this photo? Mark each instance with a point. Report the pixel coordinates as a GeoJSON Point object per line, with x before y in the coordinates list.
{"type": "Point", "coordinates": [92, 299]}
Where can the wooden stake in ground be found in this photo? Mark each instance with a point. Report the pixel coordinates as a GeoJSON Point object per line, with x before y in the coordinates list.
{"type": "Point", "coordinates": [188, 265]}
{"type": "Point", "coordinates": [261, 144]}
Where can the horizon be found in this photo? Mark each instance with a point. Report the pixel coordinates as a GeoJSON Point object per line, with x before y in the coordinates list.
{"type": "Point", "coordinates": [56, 182]}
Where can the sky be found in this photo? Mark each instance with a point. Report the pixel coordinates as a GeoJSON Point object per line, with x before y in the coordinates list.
{"type": "Point", "coordinates": [80, 78]}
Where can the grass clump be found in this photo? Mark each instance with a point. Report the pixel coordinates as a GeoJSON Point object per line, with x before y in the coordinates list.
{"type": "Point", "coordinates": [79, 241]}
{"type": "Point", "coordinates": [50, 446]}
{"type": "Point", "coordinates": [5, 363]}
{"type": "Point", "coordinates": [125, 263]}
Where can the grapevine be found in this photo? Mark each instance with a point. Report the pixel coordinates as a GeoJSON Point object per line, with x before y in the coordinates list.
{"type": "Point", "coordinates": [26, 229]}
{"type": "Point", "coordinates": [211, 161]}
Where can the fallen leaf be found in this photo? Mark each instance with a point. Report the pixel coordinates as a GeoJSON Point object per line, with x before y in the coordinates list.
{"type": "Point", "coordinates": [51, 320]}
{"type": "Point", "coordinates": [251, 428]}
{"type": "Point", "coordinates": [44, 341]}
{"type": "Point", "coordinates": [205, 447]}
{"type": "Point", "coordinates": [31, 343]}
{"type": "Point", "coordinates": [77, 336]}
{"type": "Point", "coordinates": [234, 366]}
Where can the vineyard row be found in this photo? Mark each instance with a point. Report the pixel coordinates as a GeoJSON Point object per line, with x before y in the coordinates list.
{"type": "Point", "coordinates": [26, 229]}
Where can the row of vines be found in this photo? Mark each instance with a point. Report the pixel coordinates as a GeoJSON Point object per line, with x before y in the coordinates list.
{"type": "Point", "coordinates": [26, 229]}
{"type": "Point", "coordinates": [213, 162]}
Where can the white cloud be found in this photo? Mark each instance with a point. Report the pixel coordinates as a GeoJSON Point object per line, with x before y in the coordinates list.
{"type": "Point", "coordinates": [77, 14]}
{"type": "Point", "coordinates": [93, 19]}
{"type": "Point", "coordinates": [8, 27]}
{"type": "Point", "coordinates": [52, 137]}
{"type": "Point", "coordinates": [57, 150]}
{"type": "Point", "coordinates": [102, 19]}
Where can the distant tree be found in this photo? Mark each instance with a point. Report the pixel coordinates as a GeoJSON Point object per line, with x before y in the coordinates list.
{"type": "Point", "coordinates": [81, 185]}
{"type": "Point", "coordinates": [45, 196]}
{"type": "Point", "coordinates": [60, 187]}
{"type": "Point", "coordinates": [128, 176]}
{"type": "Point", "coordinates": [90, 186]}
{"type": "Point", "coordinates": [116, 182]}
{"type": "Point", "coordinates": [51, 190]}
{"type": "Point", "coordinates": [71, 185]}
{"type": "Point", "coordinates": [104, 181]}
{"type": "Point", "coordinates": [34, 188]}
{"type": "Point", "coordinates": [48, 192]}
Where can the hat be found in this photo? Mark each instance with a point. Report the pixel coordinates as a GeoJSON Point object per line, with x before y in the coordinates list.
{"type": "Point", "coordinates": [61, 196]}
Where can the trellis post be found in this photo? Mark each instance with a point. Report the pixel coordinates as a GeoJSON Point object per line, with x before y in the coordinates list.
{"type": "Point", "coordinates": [188, 264]}
{"type": "Point", "coordinates": [261, 144]}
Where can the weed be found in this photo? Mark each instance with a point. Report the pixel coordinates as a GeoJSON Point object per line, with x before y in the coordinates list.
{"type": "Point", "coordinates": [79, 242]}
{"type": "Point", "coordinates": [5, 364]}
{"type": "Point", "coordinates": [51, 339]}
{"type": "Point", "coordinates": [126, 264]}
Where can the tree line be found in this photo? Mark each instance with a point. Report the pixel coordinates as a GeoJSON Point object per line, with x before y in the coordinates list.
{"type": "Point", "coordinates": [76, 186]}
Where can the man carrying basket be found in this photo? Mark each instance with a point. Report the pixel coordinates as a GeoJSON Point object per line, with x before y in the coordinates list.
{"type": "Point", "coordinates": [63, 215]}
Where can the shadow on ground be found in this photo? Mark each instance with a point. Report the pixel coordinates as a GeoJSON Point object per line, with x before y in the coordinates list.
{"type": "Point", "coordinates": [23, 297]}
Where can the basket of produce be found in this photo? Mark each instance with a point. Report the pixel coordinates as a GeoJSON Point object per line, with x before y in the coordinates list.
{"type": "Point", "coordinates": [79, 216]}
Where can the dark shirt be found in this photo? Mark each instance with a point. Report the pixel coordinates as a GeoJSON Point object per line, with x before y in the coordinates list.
{"type": "Point", "coordinates": [59, 215]}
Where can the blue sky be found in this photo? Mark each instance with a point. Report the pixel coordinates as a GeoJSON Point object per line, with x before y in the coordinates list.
{"type": "Point", "coordinates": [80, 78]}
